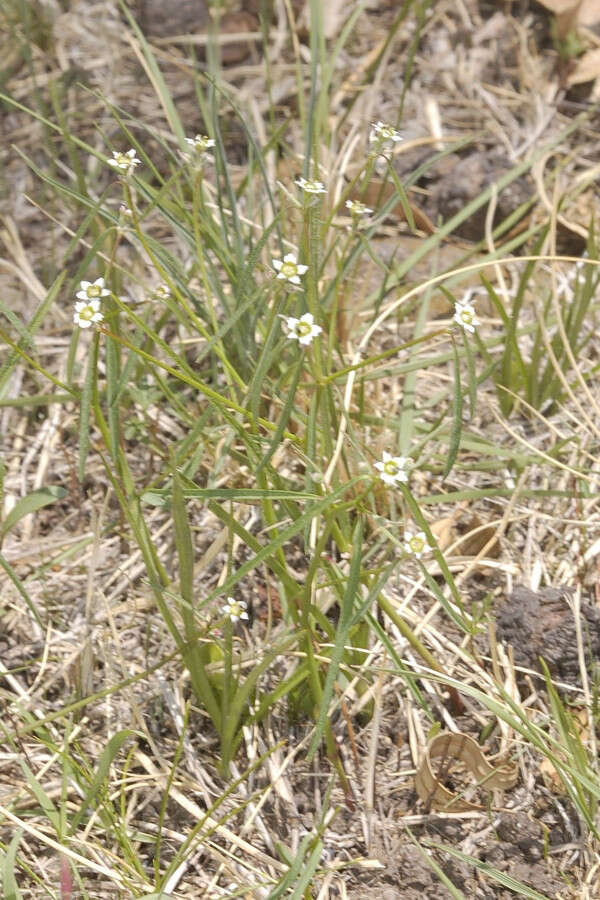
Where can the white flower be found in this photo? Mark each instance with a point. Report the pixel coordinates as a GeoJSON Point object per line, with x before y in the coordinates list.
{"type": "Point", "coordinates": [288, 269]}
{"type": "Point", "coordinates": [235, 609]}
{"type": "Point", "coordinates": [303, 329]}
{"type": "Point", "coordinates": [416, 544]}
{"type": "Point", "coordinates": [200, 145]}
{"type": "Point", "coordinates": [92, 290]}
{"type": "Point", "coordinates": [311, 187]}
{"type": "Point", "coordinates": [392, 468]}
{"type": "Point", "coordinates": [162, 292]}
{"type": "Point", "coordinates": [357, 208]}
{"type": "Point", "coordinates": [87, 314]}
{"type": "Point", "coordinates": [382, 134]}
{"type": "Point", "coordinates": [464, 314]}
{"type": "Point", "coordinates": [125, 162]}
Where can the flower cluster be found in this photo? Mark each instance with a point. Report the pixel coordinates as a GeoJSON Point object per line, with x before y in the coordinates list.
{"type": "Point", "coordinates": [124, 162]}
{"type": "Point", "coordinates": [288, 269]}
{"type": "Point", "coordinates": [87, 307]}
{"type": "Point", "coordinates": [383, 135]}
{"type": "Point", "coordinates": [393, 469]}
{"type": "Point", "coordinates": [199, 147]}
{"type": "Point", "coordinates": [357, 208]}
{"type": "Point", "coordinates": [311, 187]}
{"type": "Point", "coordinates": [162, 292]}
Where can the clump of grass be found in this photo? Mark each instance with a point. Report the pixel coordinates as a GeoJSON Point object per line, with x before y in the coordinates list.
{"type": "Point", "coordinates": [217, 377]}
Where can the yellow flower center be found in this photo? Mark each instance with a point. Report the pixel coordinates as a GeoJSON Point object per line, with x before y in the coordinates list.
{"type": "Point", "coordinates": [94, 291]}
{"type": "Point", "coordinates": [390, 467]}
{"type": "Point", "coordinates": [289, 269]}
{"type": "Point", "coordinates": [416, 544]}
{"type": "Point", "coordinates": [87, 313]}
{"type": "Point", "coordinates": [303, 328]}
{"type": "Point", "coordinates": [235, 609]}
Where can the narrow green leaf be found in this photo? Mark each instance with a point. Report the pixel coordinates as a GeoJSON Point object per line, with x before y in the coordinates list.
{"type": "Point", "coordinates": [48, 807]}
{"type": "Point", "coordinates": [472, 377]}
{"type": "Point", "coordinates": [341, 636]}
{"type": "Point", "coordinates": [30, 504]}
{"type": "Point", "coordinates": [27, 333]}
{"type": "Point", "coordinates": [457, 407]}
{"type": "Point", "coordinates": [4, 563]}
{"type": "Point", "coordinates": [9, 881]}
{"type": "Point", "coordinates": [267, 552]}
{"type": "Point", "coordinates": [495, 874]}
{"type": "Point", "coordinates": [161, 496]}
{"type": "Point", "coordinates": [435, 867]}
{"type": "Point", "coordinates": [308, 871]}
{"type": "Point", "coordinates": [87, 393]}
{"type": "Point", "coordinates": [185, 555]}
{"type": "Point", "coordinates": [158, 79]}
{"type": "Point", "coordinates": [106, 760]}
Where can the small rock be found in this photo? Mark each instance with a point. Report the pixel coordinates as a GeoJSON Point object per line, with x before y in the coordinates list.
{"type": "Point", "coordinates": [541, 624]}
{"type": "Point", "coordinates": [467, 179]}
{"type": "Point", "coordinates": [519, 829]}
{"type": "Point", "coordinates": [166, 18]}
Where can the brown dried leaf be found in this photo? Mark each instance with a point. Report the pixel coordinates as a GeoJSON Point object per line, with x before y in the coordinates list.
{"type": "Point", "coordinates": [477, 536]}
{"type": "Point", "coordinates": [587, 68]}
{"type": "Point", "coordinates": [452, 748]}
{"type": "Point", "coordinates": [552, 779]}
{"type": "Point", "coordinates": [573, 13]}
{"type": "Point", "coordinates": [443, 531]}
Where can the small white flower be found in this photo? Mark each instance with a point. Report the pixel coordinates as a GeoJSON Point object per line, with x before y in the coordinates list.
{"type": "Point", "coordinates": [392, 468]}
{"type": "Point", "coordinates": [464, 315]}
{"type": "Point", "coordinates": [87, 313]}
{"type": "Point", "coordinates": [162, 292]}
{"type": "Point", "coordinates": [357, 208]}
{"type": "Point", "coordinates": [125, 162]}
{"type": "Point", "coordinates": [125, 212]}
{"type": "Point", "coordinates": [92, 290]}
{"type": "Point", "coordinates": [200, 145]}
{"type": "Point", "coordinates": [416, 544]}
{"type": "Point", "coordinates": [235, 609]}
{"type": "Point", "coordinates": [288, 269]}
{"type": "Point", "coordinates": [201, 142]}
{"type": "Point", "coordinates": [383, 133]}
{"type": "Point", "coordinates": [303, 329]}
{"type": "Point", "coordinates": [311, 187]}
